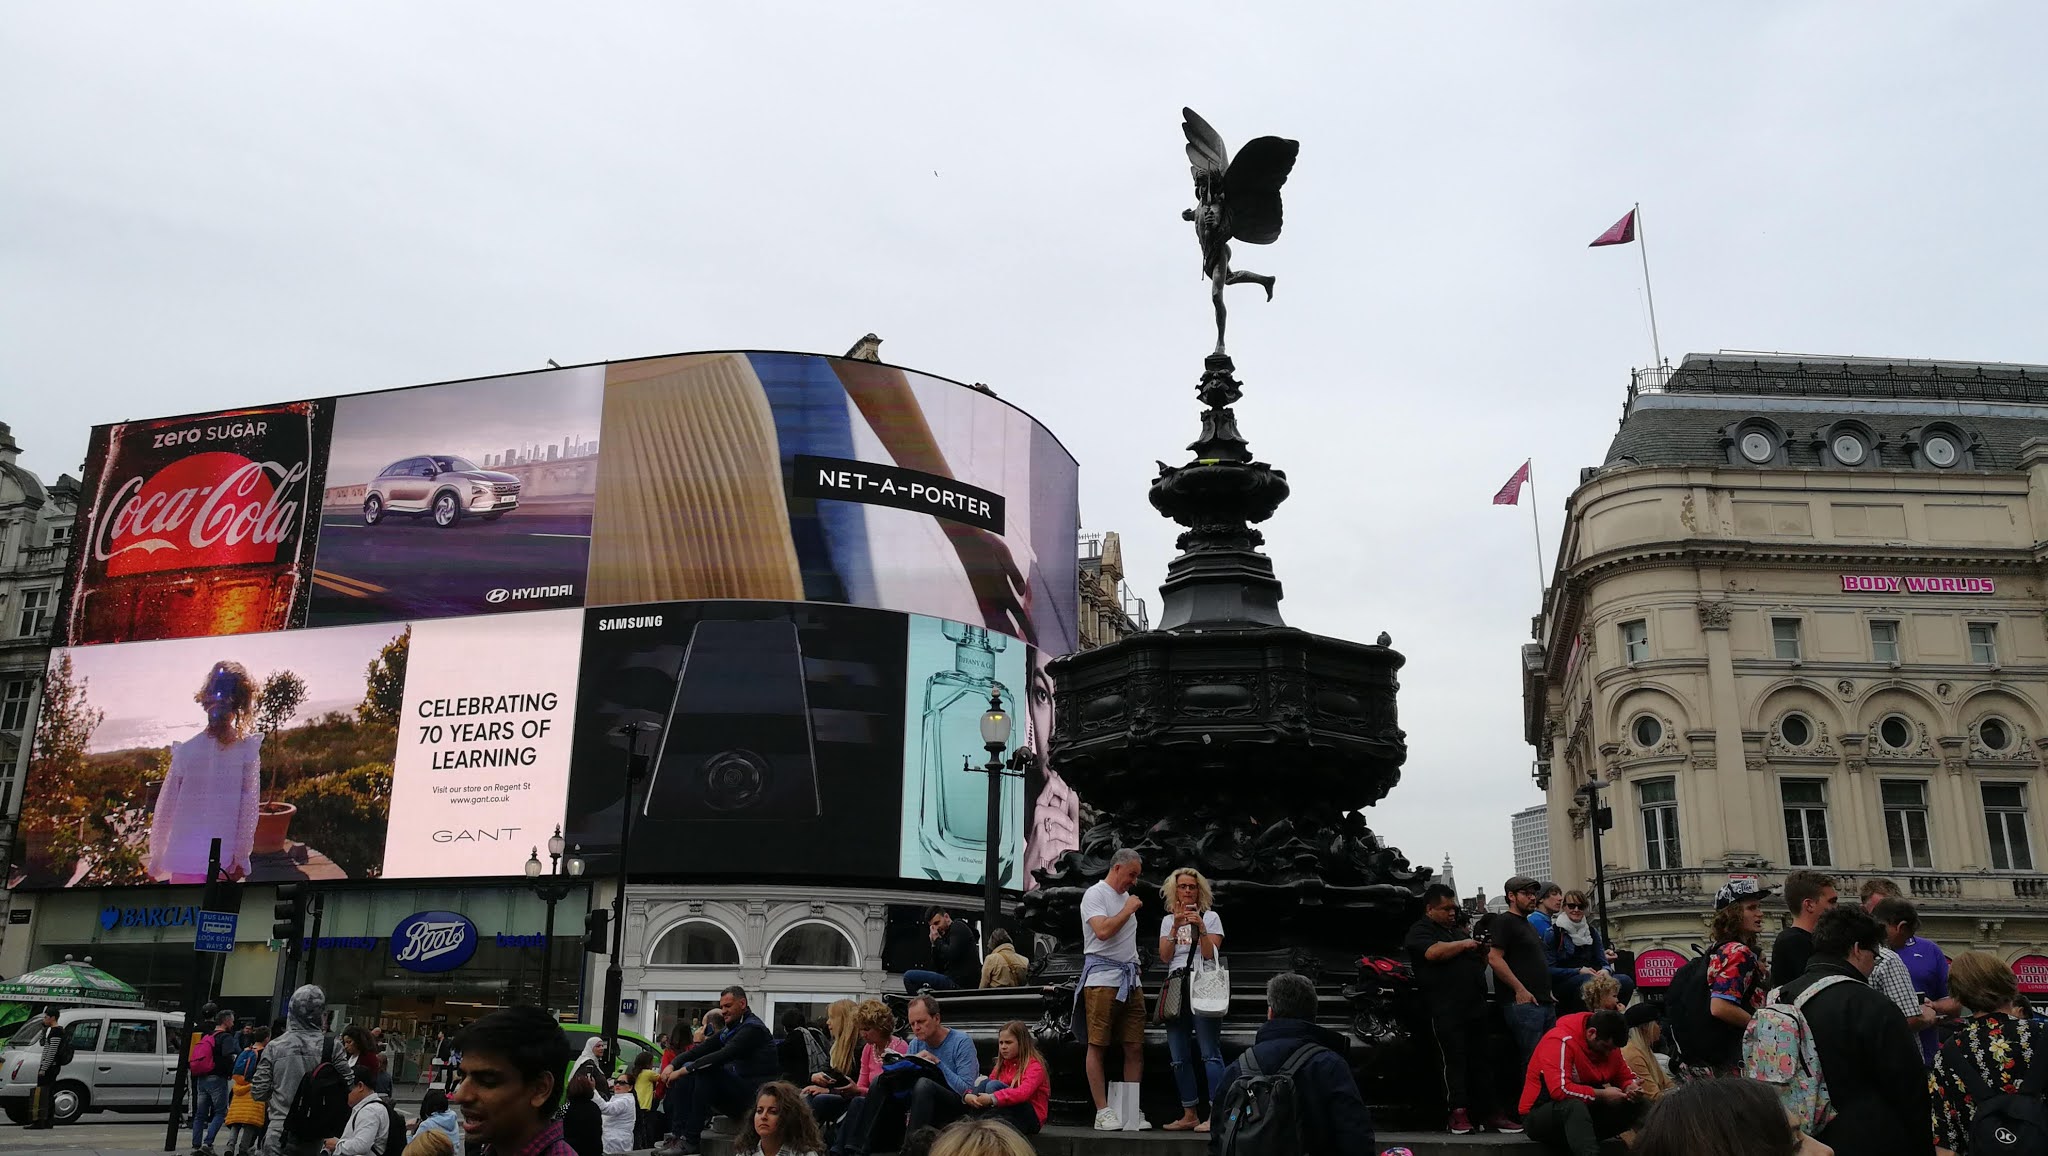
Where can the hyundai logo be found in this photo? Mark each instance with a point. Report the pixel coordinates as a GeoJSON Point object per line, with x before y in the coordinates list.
{"type": "Point", "coordinates": [498, 595]}
{"type": "Point", "coordinates": [431, 941]}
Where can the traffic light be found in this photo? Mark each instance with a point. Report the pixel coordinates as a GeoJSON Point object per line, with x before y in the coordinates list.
{"type": "Point", "coordinates": [289, 913]}
{"type": "Point", "coordinates": [1605, 818]}
{"type": "Point", "coordinates": [595, 924]}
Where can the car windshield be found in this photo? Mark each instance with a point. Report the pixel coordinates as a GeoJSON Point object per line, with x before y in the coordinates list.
{"type": "Point", "coordinates": [445, 464]}
{"type": "Point", "coordinates": [30, 1032]}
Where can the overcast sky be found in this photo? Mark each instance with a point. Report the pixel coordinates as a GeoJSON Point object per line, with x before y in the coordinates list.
{"type": "Point", "coordinates": [212, 205]}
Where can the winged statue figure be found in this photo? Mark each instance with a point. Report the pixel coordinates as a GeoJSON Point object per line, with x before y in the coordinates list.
{"type": "Point", "coordinates": [1236, 200]}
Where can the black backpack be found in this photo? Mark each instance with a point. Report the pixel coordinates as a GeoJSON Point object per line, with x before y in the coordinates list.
{"type": "Point", "coordinates": [394, 1134]}
{"type": "Point", "coordinates": [1262, 1113]}
{"type": "Point", "coordinates": [2005, 1123]}
{"type": "Point", "coordinates": [319, 1108]}
{"type": "Point", "coordinates": [1685, 1005]}
{"type": "Point", "coordinates": [67, 1049]}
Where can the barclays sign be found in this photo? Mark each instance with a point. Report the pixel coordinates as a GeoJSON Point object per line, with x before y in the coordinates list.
{"type": "Point", "coordinates": [112, 917]}
{"type": "Point", "coordinates": [432, 941]}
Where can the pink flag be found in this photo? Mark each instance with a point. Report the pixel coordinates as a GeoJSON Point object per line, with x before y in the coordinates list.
{"type": "Point", "coordinates": [1511, 494]}
{"type": "Point", "coordinates": [1622, 232]}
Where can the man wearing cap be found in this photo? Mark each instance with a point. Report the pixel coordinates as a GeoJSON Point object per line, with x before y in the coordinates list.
{"type": "Point", "coordinates": [1737, 979]}
{"type": "Point", "coordinates": [1520, 969]}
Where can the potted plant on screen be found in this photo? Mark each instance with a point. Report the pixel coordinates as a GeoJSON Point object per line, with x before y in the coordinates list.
{"type": "Point", "coordinates": [283, 693]}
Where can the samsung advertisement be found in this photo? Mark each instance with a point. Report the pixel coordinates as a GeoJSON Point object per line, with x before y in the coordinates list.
{"type": "Point", "coordinates": [405, 635]}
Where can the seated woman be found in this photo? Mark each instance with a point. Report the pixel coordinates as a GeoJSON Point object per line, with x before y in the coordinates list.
{"type": "Point", "coordinates": [782, 1125]}
{"type": "Point", "coordinates": [873, 1021]}
{"type": "Point", "coordinates": [1017, 1090]}
{"type": "Point", "coordinates": [1576, 953]}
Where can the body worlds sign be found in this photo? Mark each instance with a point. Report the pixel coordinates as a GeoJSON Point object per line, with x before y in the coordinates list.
{"type": "Point", "coordinates": [1909, 584]}
{"type": "Point", "coordinates": [431, 941]}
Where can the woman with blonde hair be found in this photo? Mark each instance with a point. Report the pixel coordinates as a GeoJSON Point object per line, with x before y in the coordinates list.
{"type": "Point", "coordinates": [983, 1137]}
{"type": "Point", "coordinates": [872, 1024]}
{"type": "Point", "coordinates": [845, 1038]}
{"type": "Point", "coordinates": [782, 1124]}
{"type": "Point", "coordinates": [1191, 927]}
{"type": "Point", "coordinates": [1640, 1053]}
{"type": "Point", "coordinates": [1017, 1090]}
{"type": "Point", "coordinates": [1987, 1054]}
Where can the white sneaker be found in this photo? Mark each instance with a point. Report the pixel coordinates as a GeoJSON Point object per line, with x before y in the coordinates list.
{"type": "Point", "coordinates": [1106, 1121]}
{"type": "Point", "coordinates": [1144, 1125]}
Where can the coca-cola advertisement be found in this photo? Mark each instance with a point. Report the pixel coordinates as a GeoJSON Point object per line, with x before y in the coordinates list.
{"type": "Point", "coordinates": [198, 525]}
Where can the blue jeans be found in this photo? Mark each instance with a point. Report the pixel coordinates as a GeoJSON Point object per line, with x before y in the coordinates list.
{"type": "Point", "coordinates": [1527, 1022]}
{"type": "Point", "coordinates": [1182, 1033]}
{"type": "Point", "coordinates": [828, 1106]}
{"type": "Point", "coordinates": [917, 978]}
{"type": "Point", "coordinates": [209, 1109]}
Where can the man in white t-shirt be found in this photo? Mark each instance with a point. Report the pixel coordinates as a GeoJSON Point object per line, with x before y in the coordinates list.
{"type": "Point", "coordinates": [1111, 998]}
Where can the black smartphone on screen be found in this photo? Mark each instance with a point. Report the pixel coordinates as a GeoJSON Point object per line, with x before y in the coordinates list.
{"type": "Point", "coordinates": [738, 743]}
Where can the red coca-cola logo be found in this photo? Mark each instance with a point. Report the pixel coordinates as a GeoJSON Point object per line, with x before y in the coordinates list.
{"type": "Point", "coordinates": [209, 509]}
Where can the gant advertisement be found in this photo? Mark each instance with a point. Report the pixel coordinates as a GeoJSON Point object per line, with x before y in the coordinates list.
{"type": "Point", "coordinates": [483, 744]}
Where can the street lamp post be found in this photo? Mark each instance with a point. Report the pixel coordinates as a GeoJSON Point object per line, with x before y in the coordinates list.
{"type": "Point", "coordinates": [553, 887]}
{"type": "Point", "coordinates": [1598, 818]}
{"type": "Point", "coordinates": [995, 735]}
{"type": "Point", "coordinates": [614, 975]}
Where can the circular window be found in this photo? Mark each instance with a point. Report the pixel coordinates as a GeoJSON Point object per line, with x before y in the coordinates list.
{"type": "Point", "coordinates": [1758, 447]}
{"type": "Point", "coordinates": [1994, 734]}
{"type": "Point", "coordinates": [1795, 730]}
{"type": "Point", "coordinates": [1895, 732]}
{"type": "Point", "coordinates": [1939, 450]}
{"type": "Point", "coordinates": [1848, 449]}
{"type": "Point", "coordinates": [1648, 733]}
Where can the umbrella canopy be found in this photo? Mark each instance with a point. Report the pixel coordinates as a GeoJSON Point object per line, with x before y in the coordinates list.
{"type": "Point", "coordinates": [71, 984]}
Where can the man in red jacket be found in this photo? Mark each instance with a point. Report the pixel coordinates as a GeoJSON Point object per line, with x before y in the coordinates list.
{"type": "Point", "coordinates": [1579, 1090]}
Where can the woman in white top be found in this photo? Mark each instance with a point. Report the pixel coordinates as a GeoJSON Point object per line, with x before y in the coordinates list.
{"type": "Point", "coordinates": [619, 1115]}
{"type": "Point", "coordinates": [1191, 928]}
{"type": "Point", "coordinates": [215, 779]}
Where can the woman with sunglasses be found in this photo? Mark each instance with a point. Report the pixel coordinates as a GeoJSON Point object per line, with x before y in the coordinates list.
{"type": "Point", "coordinates": [1577, 952]}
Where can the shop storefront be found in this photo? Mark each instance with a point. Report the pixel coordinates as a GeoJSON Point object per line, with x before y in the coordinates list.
{"type": "Point", "coordinates": [145, 937]}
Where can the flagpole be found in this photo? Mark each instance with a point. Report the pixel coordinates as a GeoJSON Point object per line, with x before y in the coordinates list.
{"type": "Point", "coordinates": [1643, 249]}
{"type": "Point", "coordinates": [1537, 526]}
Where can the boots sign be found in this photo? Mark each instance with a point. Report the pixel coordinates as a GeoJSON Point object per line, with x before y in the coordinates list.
{"type": "Point", "coordinates": [431, 941]}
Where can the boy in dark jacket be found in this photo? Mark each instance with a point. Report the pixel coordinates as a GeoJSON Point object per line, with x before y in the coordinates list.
{"type": "Point", "coordinates": [1870, 1061]}
{"type": "Point", "coordinates": [1334, 1118]}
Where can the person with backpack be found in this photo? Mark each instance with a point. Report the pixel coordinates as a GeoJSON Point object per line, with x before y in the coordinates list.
{"type": "Point", "coordinates": [1711, 998]}
{"type": "Point", "coordinates": [1291, 1093]}
{"type": "Point", "coordinates": [374, 1127]}
{"type": "Point", "coordinates": [56, 1050]}
{"type": "Point", "coordinates": [1871, 1086]}
{"type": "Point", "coordinates": [1579, 1090]}
{"type": "Point", "coordinates": [212, 1055]}
{"type": "Point", "coordinates": [1982, 1079]}
{"type": "Point", "coordinates": [302, 1079]}
{"type": "Point", "coordinates": [245, 1116]}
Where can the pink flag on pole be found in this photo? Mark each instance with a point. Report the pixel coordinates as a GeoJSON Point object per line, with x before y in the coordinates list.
{"type": "Point", "coordinates": [1621, 233]}
{"type": "Point", "coordinates": [1511, 494]}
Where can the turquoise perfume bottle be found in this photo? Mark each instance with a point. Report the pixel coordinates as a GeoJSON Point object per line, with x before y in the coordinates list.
{"type": "Point", "coordinates": [952, 826]}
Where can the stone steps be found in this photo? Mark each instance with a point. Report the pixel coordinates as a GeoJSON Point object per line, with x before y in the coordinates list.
{"type": "Point", "coordinates": [1064, 1140]}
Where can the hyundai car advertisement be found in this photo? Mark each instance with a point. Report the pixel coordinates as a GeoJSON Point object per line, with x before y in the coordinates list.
{"type": "Point", "coordinates": [407, 634]}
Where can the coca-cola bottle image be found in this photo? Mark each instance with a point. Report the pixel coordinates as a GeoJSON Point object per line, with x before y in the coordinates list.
{"type": "Point", "coordinates": [199, 525]}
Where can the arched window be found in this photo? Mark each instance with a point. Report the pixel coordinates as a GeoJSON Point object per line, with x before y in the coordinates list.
{"type": "Point", "coordinates": [812, 945]}
{"type": "Point", "coordinates": [697, 943]}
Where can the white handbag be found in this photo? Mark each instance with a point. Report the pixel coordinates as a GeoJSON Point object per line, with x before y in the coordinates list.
{"type": "Point", "coordinates": [1209, 987]}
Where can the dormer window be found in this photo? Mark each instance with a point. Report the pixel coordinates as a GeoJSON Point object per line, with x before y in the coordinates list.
{"type": "Point", "coordinates": [1940, 446]}
{"type": "Point", "coordinates": [1754, 442]}
{"type": "Point", "coordinates": [1846, 445]}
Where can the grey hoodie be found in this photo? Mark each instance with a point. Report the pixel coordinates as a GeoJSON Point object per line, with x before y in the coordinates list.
{"type": "Point", "coordinates": [285, 1062]}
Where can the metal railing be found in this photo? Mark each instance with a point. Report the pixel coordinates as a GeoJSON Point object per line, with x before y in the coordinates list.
{"type": "Point", "coordinates": [1698, 884]}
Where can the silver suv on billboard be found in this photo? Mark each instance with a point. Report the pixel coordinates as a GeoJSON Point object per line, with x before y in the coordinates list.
{"type": "Point", "coordinates": [444, 486]}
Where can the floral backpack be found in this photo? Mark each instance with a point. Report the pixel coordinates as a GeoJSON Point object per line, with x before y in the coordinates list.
{"type": "Point", "coordinates": [1778, 1051]}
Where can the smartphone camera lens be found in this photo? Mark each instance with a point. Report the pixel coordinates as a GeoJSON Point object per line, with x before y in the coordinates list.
{"type": "Point", "coordinates": [735, 780]}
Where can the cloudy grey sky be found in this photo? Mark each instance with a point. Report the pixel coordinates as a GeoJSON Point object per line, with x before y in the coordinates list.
{"type": "Point", "coordinates": [230, 204]}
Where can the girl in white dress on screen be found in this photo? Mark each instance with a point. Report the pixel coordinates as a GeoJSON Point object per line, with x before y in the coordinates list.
{"type": "Point", "coordinates": [213, 785]}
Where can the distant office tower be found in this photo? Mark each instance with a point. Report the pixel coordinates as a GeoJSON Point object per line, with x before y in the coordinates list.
{"type": "Point", "coordinates": [1532, 842]}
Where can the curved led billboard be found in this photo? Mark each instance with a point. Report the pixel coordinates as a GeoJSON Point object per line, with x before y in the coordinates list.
{"type": "Point", "coordinates": [390, 635]}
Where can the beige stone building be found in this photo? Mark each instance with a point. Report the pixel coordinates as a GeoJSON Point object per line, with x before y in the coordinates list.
{"type": "Point", "coordinates": [1800, 617]}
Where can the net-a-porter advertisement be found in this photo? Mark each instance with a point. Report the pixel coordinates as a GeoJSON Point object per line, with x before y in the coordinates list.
{"type": "Point", "coordinates": [793, 477]}
{"type": "Point", "coordinates": [468, 498]}
{"type": "Point", "coordinates": [390, 635]}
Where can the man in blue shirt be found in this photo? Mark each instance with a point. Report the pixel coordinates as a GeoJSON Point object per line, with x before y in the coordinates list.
{"type": "Point", "coordinates": [1924, 963]}
{"type": "Point", "coordinates": [906, 1097]}
{"type": "Point", "coordinates": [1548, 905]}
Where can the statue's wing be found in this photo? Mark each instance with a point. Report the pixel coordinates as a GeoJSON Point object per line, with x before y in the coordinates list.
{"type": "Point", "coordinates": [1205, 149]}
{"type": "Point", "coordinates": [1251, 188]}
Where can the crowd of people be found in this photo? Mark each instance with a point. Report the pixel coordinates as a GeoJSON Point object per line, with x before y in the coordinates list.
{"type": "Point", "coordinates": [1890, 1047]}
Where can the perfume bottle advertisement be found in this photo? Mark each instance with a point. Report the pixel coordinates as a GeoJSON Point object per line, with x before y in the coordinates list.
{"type": "Point", "coordinates": [955, 670]}
{"type": "Point", "coordinates": [772, 738]}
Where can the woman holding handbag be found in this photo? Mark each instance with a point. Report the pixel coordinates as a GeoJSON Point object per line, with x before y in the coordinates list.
{"type": "Point", "coordinates": [1190, 937]}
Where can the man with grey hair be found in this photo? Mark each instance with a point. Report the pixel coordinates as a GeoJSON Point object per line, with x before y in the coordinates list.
{"type": "Point", "coordinates": [1334, 1118]}
{"type": "Point", "coordinates": [1109, 1003]}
